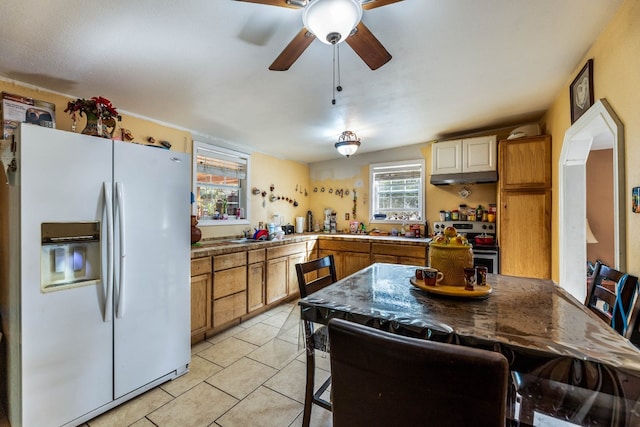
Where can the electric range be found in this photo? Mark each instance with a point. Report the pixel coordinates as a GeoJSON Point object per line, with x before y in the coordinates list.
{"type": "Point", "coordinates": [483, 255]}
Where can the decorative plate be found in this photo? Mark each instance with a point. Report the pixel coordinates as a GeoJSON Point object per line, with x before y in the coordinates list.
{"type": "Point", "coordinates": [453, 291]}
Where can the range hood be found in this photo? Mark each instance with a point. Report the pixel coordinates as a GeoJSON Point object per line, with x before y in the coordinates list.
{"type": "Point", "coordinates": [464, 178]}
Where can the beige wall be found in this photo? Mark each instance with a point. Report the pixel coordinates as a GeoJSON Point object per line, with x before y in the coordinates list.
{"type": "Point", "coordinates": [615, 68]}
{"type": "Point", "coordinates": [353, 173]}
{"type": "Point", "coordinates": [599, 170]}
{"type": "Point", "coordinates": [266, 170]}
{"type": "Point", "coordinates": [142, 129]}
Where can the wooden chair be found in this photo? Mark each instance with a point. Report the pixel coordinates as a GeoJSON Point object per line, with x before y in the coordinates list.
{"type": "Point", "coordinates": [313, 276]}
{"type": "Point", "coordinates": [384, 379]}
{"type": "Point", "coordinates": [612, 296]}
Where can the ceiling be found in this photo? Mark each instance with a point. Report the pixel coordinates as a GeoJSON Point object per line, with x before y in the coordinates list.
{"type": "Point", "coordinates": [202, 65]}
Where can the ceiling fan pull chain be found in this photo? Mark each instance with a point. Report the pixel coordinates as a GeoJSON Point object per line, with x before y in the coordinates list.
{"type": "Point", "coordinates": [339, 87]}
{"type": "Point", "coordinates": [336, 65]}
{"type": "Point", "coordinates": [333, 100]}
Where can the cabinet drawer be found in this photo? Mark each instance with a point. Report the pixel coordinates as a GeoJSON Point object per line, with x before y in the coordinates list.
{"type": "Point", "coordinates": [229, 308]}
{"type": "Point", "coordinates": [222, 262]}
{"type": "Point", "coordinates": [399, 250]}
{"type": "Point", "coordinates": [286, 250]}
{"type": "Point", "coordinates": [200, 266]}
{"type": "Point", "coordinates": [227, 282]}
{"type": "Point", "coordinates": [342, 245]}
{"type": "Point", "coordinates": [257, 255]}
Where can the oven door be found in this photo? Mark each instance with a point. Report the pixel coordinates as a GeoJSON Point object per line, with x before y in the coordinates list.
{"type": "Point", "coordinates": [486, 258]}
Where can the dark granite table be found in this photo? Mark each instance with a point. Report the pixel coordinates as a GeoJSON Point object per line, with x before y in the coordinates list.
{"type": "Point", "coordinates": [545, 332]}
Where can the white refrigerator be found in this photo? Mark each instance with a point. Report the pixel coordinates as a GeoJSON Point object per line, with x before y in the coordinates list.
{"type": "Point", "coordinates": [95, 298]}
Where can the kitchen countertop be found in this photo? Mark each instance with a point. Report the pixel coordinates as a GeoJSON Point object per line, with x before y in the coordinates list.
{"type": "Point", "coordinates": [221, 246]}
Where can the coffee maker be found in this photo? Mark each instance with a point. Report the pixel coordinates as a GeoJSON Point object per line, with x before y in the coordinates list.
{"type": "Point", "coordinates": [332, 222]}
{"type": "Point", "coordinates": [327, 220]}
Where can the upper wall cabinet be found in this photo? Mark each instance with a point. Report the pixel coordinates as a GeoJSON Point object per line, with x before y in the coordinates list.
{"type": "Point", "coordinates": [525, 163]}
{"type": "Point", "coordinates": [464, 156]}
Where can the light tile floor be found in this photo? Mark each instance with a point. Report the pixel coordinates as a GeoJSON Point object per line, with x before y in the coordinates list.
{"type": "Point", "coordinates": [250, 375]}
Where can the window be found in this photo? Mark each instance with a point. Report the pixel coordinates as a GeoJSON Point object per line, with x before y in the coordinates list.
{"type": "Point", "coordinates": [220, 185]}
{"type": "Point", "coordinates": [397, 191]}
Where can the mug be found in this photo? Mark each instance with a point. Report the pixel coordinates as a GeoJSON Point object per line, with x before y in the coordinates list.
{"type": "Point", "coordinates": [419, 274]}
{"type": "Point", "coordinates": [432, 276]}
{"type": "Point", "coordinates": [469, 278]}
{"type": "Point", "coordinates": [481, 276]}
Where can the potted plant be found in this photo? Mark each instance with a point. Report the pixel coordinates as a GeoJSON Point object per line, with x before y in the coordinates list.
{"type": "Point", "coordinates": [101, 115]}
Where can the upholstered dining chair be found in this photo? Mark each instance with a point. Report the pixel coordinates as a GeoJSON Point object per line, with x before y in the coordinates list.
{"type": "Point", "coordinates": [612, 296]}
{"type": "Point", "coordinates": [384, 379]}
{"type": "Point", "coordinates": [312, 276]}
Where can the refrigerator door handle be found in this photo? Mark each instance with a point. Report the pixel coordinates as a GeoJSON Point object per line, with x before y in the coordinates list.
{"type": "Point", "coordinates": [108, 300]}
{"type": "Point", "coordinates": [123, 249]}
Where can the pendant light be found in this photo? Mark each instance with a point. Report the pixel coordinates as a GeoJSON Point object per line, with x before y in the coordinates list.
{"type": "Point", "coordinates": [331, 21]}
{"type": "Point", "coordinates": [348, 143]}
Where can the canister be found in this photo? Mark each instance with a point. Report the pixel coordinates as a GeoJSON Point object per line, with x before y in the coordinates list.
{"type": "Point", "coordinates": [463, 212]}
{"type": "Point", "coordinates": [442, 216]}
{"type": "Point", "coordinates": [447, 215]}
{"type": "Point", "coordinates": [455, 215]}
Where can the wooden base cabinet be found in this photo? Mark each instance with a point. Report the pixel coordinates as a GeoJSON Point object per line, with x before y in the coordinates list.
{"type": "Point", "coordinates": [399, 254]}
{"type": "Point", "coordinates": [201, 298]}
{"type": "Point", "coordinates": [349, 256]}
{"type": "Point", "coordinates": [256, 297]}
{"type": "Point", "coordinates": [229, 287]}
{"type": "Point", "coordinates": [281, 278]}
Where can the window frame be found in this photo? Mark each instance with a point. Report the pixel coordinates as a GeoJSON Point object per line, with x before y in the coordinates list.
{"type": "Point", "coordinates": [373, 205]}
{"type": "Point", "coordinates": [225, 154]}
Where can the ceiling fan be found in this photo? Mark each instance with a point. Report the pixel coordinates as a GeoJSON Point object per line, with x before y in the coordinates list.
{"type": "Point", "coordinates": [360, 39]}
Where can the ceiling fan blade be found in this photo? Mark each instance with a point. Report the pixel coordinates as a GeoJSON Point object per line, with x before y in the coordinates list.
{"type": "Point", "coordinates": [367, 46]}
{"type": "Point", "coordinates": [372, 4]}
{"type": "Point", "coordinates": [293, 51]}
{"type": "Point", "coordinates": [293, 4]}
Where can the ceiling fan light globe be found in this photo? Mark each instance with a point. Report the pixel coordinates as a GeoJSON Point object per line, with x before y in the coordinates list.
{"type": "Point", "coordinates": [324, 17]}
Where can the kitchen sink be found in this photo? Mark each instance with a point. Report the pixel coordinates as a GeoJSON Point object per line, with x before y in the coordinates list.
{"type": "Point", "coordinates": [245, 240]}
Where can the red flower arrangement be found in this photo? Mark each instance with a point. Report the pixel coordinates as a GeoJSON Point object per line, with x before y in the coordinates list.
{"type": "Point", "coordinates": [95, 108]}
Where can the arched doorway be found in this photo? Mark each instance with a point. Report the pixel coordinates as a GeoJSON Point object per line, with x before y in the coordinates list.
{"type": "Point", "coordinates": [597, 128]}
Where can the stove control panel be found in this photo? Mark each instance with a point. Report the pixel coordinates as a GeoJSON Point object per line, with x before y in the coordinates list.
{"type": "Point", "coordinates": [466, 226]}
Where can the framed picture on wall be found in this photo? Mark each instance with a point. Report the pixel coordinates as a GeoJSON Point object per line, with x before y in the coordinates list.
{"type": "Point", "coordinates": [635, 200]}
{"type": "Point", "coordinates": [581, 91]}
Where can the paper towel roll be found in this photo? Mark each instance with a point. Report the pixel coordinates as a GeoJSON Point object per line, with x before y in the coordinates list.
{"type": "Point", "coordinates": [299, 224]}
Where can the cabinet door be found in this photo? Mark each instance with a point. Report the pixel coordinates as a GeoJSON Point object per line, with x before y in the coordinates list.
{"type": "Point", "coordinates": [292, 280]}
{"type": "Point", "coordinates": [231, 281]}
{"type": "Point", "coordinates": [354, 261]}
{"type": "Point", "coordinates": [525, 233]}
{"type": "Point", "coordinates": [276, 279]}
{"type": "Point", "coordinates": [255, 286]}
{"type": "Point", "coordinates": [200, 305]}
{"type": "Point", "coordinates": [525, 163]}
{"type": "Point", "coordinates": [446, 157]}
{"type": "Point", "coordinates": [389, 259]}
{"type": "Point", "coordinates": [412, 261]}
{"type": "Point", "coordinates": [479, 154]}
{"type": "Point", "coordinates": [229, 308]}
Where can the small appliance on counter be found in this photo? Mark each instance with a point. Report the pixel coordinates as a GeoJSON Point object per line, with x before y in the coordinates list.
{"type": "Point", "coordinates": [309, 221]}
{"type": "Point", "coordinates": [327, 220]}
{"type": "Point", "coordinates": [288, 229]}
{"type": "Point", "coordinates": [333, 222]}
